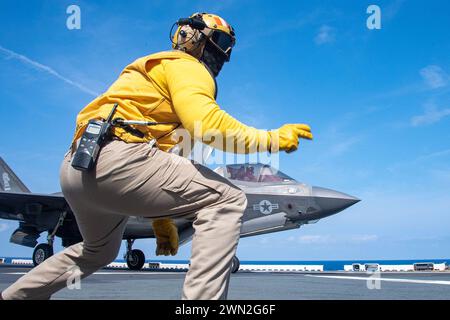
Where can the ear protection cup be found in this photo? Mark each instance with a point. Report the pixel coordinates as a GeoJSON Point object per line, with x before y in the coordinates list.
{"type": "Point", "coordinates": [187, 39]}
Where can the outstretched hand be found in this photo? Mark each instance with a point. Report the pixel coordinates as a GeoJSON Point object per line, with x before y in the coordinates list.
{"type": "Point", "coordinates": [287, 137]}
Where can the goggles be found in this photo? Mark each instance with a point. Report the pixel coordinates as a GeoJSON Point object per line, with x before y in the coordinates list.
{"type": "Point", "coordinates": [223, 42]}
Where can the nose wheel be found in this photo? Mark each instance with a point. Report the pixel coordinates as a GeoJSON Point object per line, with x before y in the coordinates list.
{"type": "Point", "coordinates": [135, 258]}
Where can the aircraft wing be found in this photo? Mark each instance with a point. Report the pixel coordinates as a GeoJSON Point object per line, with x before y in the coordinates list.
{"type": "Point", "coordinates": [14, 205]}
{"type": "Point", "coordinates": [17, 202]}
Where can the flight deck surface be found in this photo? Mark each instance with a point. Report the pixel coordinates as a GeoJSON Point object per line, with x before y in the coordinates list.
{"type": "Point", "coordinates": [123, 284]}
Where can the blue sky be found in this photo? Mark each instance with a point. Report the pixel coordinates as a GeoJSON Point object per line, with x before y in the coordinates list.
{"type": "Point", "coordinates": [377, 100]}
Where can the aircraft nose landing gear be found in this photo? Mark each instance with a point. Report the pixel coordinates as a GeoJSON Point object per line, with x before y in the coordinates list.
{"type": "Point", "coordinates": [135, 258]}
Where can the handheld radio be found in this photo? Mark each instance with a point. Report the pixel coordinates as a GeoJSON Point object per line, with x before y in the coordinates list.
{"type": "Point", "coordinates": [93, 138]}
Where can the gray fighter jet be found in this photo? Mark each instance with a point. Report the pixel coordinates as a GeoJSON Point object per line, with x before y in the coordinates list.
{"type": "Point", "coordinates": [276, 203]}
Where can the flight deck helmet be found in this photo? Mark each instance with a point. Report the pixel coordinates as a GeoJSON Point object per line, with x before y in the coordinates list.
{"type": "Point", "coordinates": [207, 37]}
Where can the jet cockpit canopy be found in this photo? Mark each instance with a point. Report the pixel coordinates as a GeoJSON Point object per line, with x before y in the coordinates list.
{"type": "Point", "coordinates": [257, 172]}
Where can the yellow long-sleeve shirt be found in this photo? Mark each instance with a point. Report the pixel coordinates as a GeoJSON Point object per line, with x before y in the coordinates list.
{"type": "Point", "coordinates": [172, 87]}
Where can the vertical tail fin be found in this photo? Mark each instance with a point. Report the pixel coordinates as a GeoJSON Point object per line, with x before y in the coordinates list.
{"type": "Point", "coordinates": [9, 182]}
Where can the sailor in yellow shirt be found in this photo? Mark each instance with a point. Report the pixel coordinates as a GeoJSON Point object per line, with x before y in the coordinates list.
{"type": "Point", "coordinates": [135, 178]}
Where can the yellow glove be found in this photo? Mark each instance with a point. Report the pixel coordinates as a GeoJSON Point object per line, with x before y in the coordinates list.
{"type": "Point", "coordinates": [286, 137]}
{"type": "Point", "coordinates": [166, 237]}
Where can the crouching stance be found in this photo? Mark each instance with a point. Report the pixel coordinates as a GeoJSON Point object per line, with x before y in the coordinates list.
{"type": "Point", "coordinates": [132, 177]}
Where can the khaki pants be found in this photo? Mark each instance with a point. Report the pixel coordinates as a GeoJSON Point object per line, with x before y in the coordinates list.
{"type": "Point", "coordinates": [138, 180]}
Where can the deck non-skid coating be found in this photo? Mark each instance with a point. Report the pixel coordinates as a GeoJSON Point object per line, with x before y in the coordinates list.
{"type": "Point", "coordinates": [119, 284]}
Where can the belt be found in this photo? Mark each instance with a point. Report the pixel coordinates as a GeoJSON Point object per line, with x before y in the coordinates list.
{"type": "Point", "coordinates": [152, 143]}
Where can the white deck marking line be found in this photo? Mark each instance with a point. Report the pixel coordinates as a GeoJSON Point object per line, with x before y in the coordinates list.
{"type": "Point", "coordinates": [108, 273]}
{"type": "Point", "coordinates": [169, 272]}
{"type": "Point", "coordinates": [441, 282]}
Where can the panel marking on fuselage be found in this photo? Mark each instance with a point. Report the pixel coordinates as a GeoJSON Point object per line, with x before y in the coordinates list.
{"type": "Point", "coordinates": [6, 179]}
{"type": "Point", "coordinates": [265, 207]}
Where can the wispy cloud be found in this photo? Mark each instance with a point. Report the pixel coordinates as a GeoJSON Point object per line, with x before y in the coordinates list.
{"type": "Point", "coordinates": [333, 239]}
{"type": "Point", "coordinates": [43, 68]}
{"type": "Point", "coordinates": [433, 155]}
{"type": "Point", "coordinates": [430, 163]}
{"type": "Point", "coordinates": [434, 76]}
{"type": "Point", "coordinates": [326, 34]}
{"type": "Point", "coordinates": [364, 238]}
{"type": "Point", "coordinates": [431, 115]}
{"type": "Point", "coordinates": [441, 174]}
{"type": "Point", "coordinates": [315, 239]}
{"type": "Point", "coordinates": [345, 145]}
{"type": "Point", "coordinates": [218, 6]}
{"type": "Point", "coordinates": [339, 136]}
{"type": "Point", "coordinates": [3, 227]}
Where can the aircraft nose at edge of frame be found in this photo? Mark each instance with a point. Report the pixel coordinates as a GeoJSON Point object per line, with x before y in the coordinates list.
{"type": "Point", "coordinates": [332, 200]}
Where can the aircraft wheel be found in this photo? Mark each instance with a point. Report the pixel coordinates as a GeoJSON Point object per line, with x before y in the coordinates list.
{"type": "Point", "coordinates": [41, 253]}
{"type": "Point", "coordinates": [235, 264]}
{"type": "Point", "coordinates": [135, 259]}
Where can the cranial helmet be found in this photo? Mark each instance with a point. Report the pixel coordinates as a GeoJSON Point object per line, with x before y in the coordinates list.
{"type": "Point", "coordinates": [207, 37]}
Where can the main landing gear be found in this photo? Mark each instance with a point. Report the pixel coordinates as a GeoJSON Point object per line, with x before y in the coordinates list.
{"type": "Point", "coordinates": [41, 253]}
{"type": "Point", "coordinates": [44, 251]}
{"type": "Point", "coordinates": [235, 264]}
{"type": "Point", "coordinates": [135, 258]}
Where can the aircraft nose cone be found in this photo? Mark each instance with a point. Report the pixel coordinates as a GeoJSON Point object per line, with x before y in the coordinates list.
{"type": "Point", "coordinates": [332, 201]}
